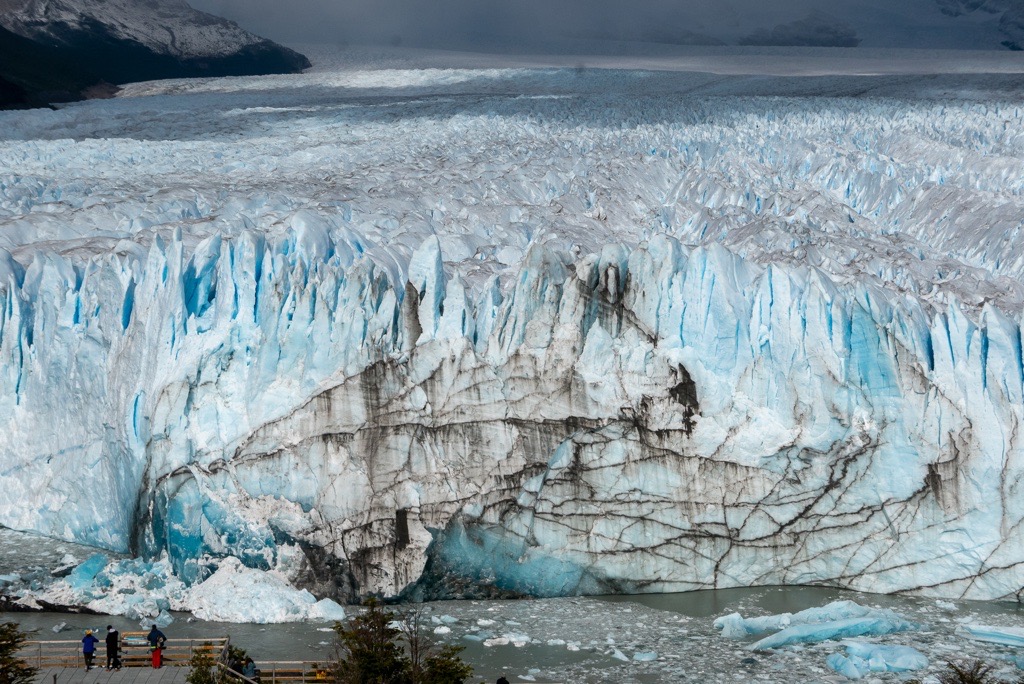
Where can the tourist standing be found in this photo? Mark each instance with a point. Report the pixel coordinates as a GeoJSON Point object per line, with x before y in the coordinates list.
{"type": "Point", "coordinates": [113, 646]}
{"type": "Point", "coordinates": [157, 640]}
{"type": "Point", "coordinates": [89, 648]}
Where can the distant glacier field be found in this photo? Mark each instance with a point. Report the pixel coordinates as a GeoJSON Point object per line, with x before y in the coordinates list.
{"type": "Point", "coordinates": [427, 326]}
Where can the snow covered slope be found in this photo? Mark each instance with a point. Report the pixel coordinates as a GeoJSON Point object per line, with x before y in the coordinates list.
{"type": "Point", "coordinates": [127, 40]}
{"type": "Point", "coordinates": [525, 330]}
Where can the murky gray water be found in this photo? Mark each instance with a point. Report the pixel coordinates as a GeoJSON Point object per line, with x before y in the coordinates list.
{"type": "Point", "coordinates": [677, 627]}
{"type": "Point", "coordinates": [583, 639]}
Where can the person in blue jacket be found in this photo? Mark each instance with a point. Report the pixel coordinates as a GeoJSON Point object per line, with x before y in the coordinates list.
{"type": "Point", "coordinates": [89, 648]}
{"type": "Point", "coordinates": [156, 641]}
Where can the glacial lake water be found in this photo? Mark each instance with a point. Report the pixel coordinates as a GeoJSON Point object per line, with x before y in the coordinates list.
{"type": "Point", "coordinates": [587, 639]}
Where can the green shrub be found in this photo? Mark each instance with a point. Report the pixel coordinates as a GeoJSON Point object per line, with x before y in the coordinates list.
{"type": "Point", "coordinates": [203, 666]}
{"type": "Point", "coordinates": [371, 649]}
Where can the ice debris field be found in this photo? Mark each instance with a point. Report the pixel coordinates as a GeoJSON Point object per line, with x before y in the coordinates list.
{"type": "Point", "coordinates": [399, 326]}
{"type": "Point", "coordinates": [686, 638]}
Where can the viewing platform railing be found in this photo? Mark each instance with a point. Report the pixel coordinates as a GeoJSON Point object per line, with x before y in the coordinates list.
{"type": "Point", "coordinates": [135, 651]}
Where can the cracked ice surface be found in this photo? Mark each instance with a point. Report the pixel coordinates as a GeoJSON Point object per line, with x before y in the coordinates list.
{"type": "Point", "coordinates": [559, 330]}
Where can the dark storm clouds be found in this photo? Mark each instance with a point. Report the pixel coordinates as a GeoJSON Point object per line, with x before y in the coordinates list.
{"type": "Point", "coordinates": [443, 21]}
{"type": "Point", "coordinates": [508, 23]}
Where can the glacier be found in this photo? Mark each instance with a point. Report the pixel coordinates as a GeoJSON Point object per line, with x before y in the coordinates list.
{"type": "Point", "coordinates": [691, 338]}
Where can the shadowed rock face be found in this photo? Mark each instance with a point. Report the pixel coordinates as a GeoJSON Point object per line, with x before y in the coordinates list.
{"type": "Point", "coordinates": [55, 50]}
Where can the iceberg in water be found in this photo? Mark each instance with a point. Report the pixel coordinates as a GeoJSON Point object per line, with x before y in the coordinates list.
{"type": "Point", "coordinates": [735, 626]}
{"type": "Point", "coordinates": [839, 620]}
{"type": "Point", "coordinates": [803, 626]}
{"type": "Point", "coordinates": [1008, 636]}
{"type": "Point", "coordinates": [864, 658]}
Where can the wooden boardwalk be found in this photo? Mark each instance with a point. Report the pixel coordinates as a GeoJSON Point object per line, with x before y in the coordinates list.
{"type": "Point", "coordinates": [128, 675]}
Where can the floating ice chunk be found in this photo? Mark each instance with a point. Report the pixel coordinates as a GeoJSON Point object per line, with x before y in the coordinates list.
{"type": "Point", "coordinates": [326, 609]}
{"type": "Point", "coordinates": [163, 619]}
{"type": "Point", "coordinates": [884, 622]}
{"type": "Point", "coordinates": [1008, 636]}
{"type": "Point", "coordinates": [442, 630]}
{"type": "Point", "coordinates": [645, 656]}
{"type": "Point", "coordinates": [556, 642]}
{"type": "Point", "coordinates": [945, 605]}
{"type": "Point", "coordinates": [896, 658]}
{"type": "Point", "coordinates": [518, 640]}
{"type": "Point", "coordinates": [619, 655]}
{"type": "Point", "coordinates": [448, 619]}
{"type": "Point", "coordinates": [851, 668]}
{"type": "Point", "coordinates": [484, 623]}
{"type": "Point", "coordinates": [735, 626]}
{"type": "Point", "coordinates": [58, 627]}
{"type": "Point", "coordinates": [496, 641]}
{"type": "Point", "coordinates": [863, 658]}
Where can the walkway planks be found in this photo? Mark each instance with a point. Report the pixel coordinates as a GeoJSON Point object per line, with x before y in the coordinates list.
{"type": "Point", "coordinates": [128, 675]}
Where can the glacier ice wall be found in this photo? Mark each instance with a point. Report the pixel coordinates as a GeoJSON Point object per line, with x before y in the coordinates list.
{"type": "Point", "coordinates": [651, 419]}
{"type": "Point", "coordinates": [633, 331]}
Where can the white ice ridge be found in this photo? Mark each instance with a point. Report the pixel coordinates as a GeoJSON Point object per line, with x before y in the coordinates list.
{"type": "Point", "coordinates": [609, 336]}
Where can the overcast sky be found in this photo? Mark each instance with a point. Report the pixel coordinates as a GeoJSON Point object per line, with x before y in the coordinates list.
{"type": "Point", "coordinates": [458, 23]}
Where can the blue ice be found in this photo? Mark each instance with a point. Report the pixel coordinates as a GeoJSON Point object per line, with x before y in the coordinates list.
{"type": "Point", "coordinates": [864, 658]}
{"type": "Point", "coordinates": [735, 626]}
{"type": "Point", "coordinates": [1008, 636]}
{"type": "Point", "coordinates": [84, 575]}
{"type": "Point", "coordinates": [882, 622]}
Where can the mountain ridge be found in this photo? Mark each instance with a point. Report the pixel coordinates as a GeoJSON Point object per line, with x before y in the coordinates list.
{"type": "Point", "coordinates": [55, 50]}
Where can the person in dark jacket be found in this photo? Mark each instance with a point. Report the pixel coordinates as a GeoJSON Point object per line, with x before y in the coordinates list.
{"type": "Point", "coordinates": [113, 646]}
{"type": "Point", "coordinates": [89, 648]}
{"type": "Point", "coordinates": [156, 641]}
{"type": "Point", "coordinates": [502, 680]}
{"type": "Point", "coordinates": [249, 669]}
